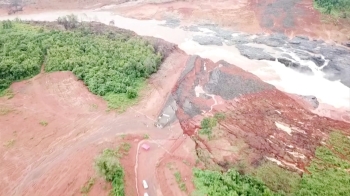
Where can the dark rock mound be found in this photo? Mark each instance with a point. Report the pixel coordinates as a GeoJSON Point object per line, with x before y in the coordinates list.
{"type": "Point", "coordinates": [275, 40]}
{"type": "Point", "coordinates": [319, 61]}
{"type": "Point", "coordinates": [208, 40]}
{"type": "Point", "coordinates": [295, 66]}
{"type": "Point", "coordinates": [230, 86]}
{"type": "Point", "coordinates": [254, 53]}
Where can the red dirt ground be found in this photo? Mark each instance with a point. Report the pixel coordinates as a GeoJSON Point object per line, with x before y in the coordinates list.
{"type": "Point", "coordinates": [248, 16]}
{"type": "Point", "coordinates": [57, 158]}
{"type": "Point", "coordinates": [251, 16]}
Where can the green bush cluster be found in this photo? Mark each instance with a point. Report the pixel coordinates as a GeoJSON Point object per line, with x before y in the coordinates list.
{"type": "Point", "coordinates": [327, 175]}
{"type": "Point", "coordinates": [215, 183]}
{"type": "Point", "coordinates": [108, 65]}
{"type": "Point", "coordinates": [179, 181]}
{"type": "Point", "coordinates": [277, 179]}
{"type": "Point", "coordinates": [333, 6]}
{"type": "Point", "coordinates": [107, 165]}
{"type": "Point", "coordinates": [208, 123]}
{"type": "Point", "coordinates": [330, 169]}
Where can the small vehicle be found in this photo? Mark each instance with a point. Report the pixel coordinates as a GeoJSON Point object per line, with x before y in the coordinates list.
{"type": "Point", "coordinates": [146, 194]}
{"type": "Point", "coordinates": [145, 185]}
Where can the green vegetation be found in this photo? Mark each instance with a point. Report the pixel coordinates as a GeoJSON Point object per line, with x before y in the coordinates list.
{"type": "Point", "coordinates": [43, 123]}
{"type": "Point", "coordinates": [215, 183]}
{"type": "Point", "coordinates": [7, 93]}
{"type": "Point", "coordinates": [330, 169]}
{"type": "Point", "coordinates": [340, 8]}
{"type": "Point", "coordinates": [109, 64]}
{"type": "Point", "coordinates": [209, 123]}
{"type": "Point", "coordinates": [145, 136]}
{"type": "Point", "coordinates": [328, 175]}
{"type": "Point", "coordinates": [179, 181]}
{"type": "Point", "coordinates": [107, 165]}
{"type": "Point", "coordinates": [277, 179]}
{"type": "Point", "coordinates": [5, 110]}
{"type": "Point", "coordinates": [125, 147]}
{"type": "Point", "coordinates": [87, 186]}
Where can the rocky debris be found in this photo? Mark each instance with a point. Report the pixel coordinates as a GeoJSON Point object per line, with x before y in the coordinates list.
{"type": "Point", "coordinates": [192, 28]}
{"type": "Point", "coordinates": [167, 115]}
{"type": "Point", "coordinates": [208, 40]}
{"type": "Point", "coordinates": [319, 61]}
{"type": "Point", "coordinates": [295, 66]}
{"type": "Point", "coordinates": [235, 85]}
{"type": "Point", "coordinates": [260, 121]}
{"type": "Point", "coordinates": [303, 55]}
{"type": "Point", "coordinates": [316, 51]}
{"type": "Point", "coordinates": [275, 40]}
{"type": "Point", "coordinates": [227, 35]}
{"type": "Point", "coordinates": [238, 40]}
{"type": "Point", "coordinates": [310, 46]}
{"type": "Point", "coordinates": [347, 44]}
{"type": "Point", "coordinates": [295, 40]}
{"type": "Point", "coordinates": [254, 53]}
{"type": "Point", "coordinates": [339, 69]}
{"type": "Point", "coordinates": [312, 100]}
{"type": "Point", "coordinates": [172, 22]}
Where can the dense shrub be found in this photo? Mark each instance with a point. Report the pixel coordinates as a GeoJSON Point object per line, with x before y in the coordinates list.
{"type": "Point", "coordinates": [327, 175]}
{"type": "Point", "coordinates": [208, 123]}
{"type": "Point", "coordinates": [107, 64]}
{"type": "Point", "coordinates": [277, 179]}
{"type": "Point", "coordinates": [214, 183]}
{"type": "Point", "coordinates": [334, 6]}
{"type": "Point", "coordinates": [108, 166]}
{"type": "Point", "coordinates": [330, 169]}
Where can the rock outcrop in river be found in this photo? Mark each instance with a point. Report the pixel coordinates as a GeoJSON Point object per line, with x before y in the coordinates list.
{"type": "Point", "coordinates": [297, 53]}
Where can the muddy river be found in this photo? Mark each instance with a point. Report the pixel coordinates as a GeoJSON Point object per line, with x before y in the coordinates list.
{"type": "Point", "coordinates": [332, 93]}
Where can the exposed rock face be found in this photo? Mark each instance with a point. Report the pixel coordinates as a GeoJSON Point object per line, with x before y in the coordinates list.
{"type": "Point", "coordinates": [261, 121]}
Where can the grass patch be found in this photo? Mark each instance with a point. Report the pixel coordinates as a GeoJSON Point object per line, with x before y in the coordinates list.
{"type": "Point", "coordinates": [329, 170]}
{"type": "Point", "coordinates": [43, 123]}
{"type": "Point", "coordinates": [10, 143]}
{"type": "Point", "coordinates": [146, 136]}
{"type": "Point", "coordinates": [7, 93]}
{"type": "Point", "coordinates": [125, 147]}
{"type": "Point", "coordinates": [337, 8]}
{"type": "Point", "coordinates": [278, 179]}
{"type": "Point", "coordinates": [5, 111]}
{"type": "Point", "coordinates": [208, 123]}
{"type": "Point", "coordinates": [180, 181]}
{"type": "Point", "coordinates": [88, 185]}
{"type": "Point", "coordinates": [327, 175]}
{"type": "Point", "coordinates": [216, 183]}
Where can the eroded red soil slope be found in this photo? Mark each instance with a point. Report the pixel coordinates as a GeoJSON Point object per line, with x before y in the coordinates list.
{"type": "Point", "coordinates": [261, 121]}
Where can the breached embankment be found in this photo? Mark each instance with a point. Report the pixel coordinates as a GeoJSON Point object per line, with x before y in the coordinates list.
{"type": "Point", "coordinates": [261, 122]}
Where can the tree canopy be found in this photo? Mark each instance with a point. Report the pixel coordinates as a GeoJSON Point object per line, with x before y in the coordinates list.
{"type": "Point", "coordinates": [108, 64]}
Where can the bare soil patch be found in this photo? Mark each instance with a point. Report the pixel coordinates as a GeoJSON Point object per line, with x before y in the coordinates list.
{"type": "Point", "coordinates": [53, 128]}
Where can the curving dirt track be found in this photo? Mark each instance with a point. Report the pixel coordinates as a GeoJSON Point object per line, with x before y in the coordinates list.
{"type": "Point", "coordinates": [54, 127]}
